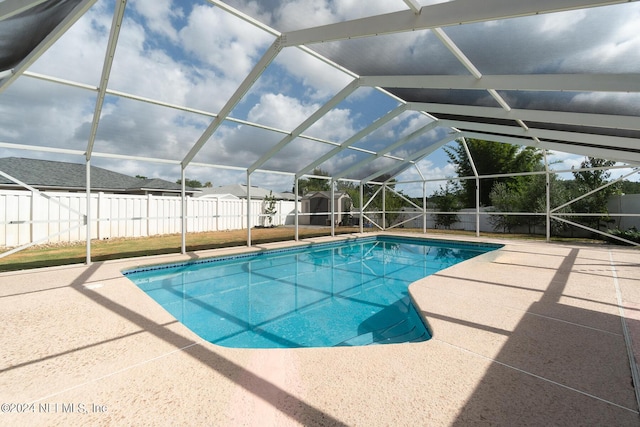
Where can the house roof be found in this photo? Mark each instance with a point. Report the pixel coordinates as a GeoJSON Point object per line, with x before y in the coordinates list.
{"type": "Point", "coordinates": [48, 174]}
{"type": "Point", "coordinates": [162, 184]}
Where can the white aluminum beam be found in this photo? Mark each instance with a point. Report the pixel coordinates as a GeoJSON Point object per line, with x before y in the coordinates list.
{"type": "Point", "coordinates": [45, 44]}
{"type": "Point", "coordinates": [598, 120]}
{"type": "Point", "coordinates": [386, 150]}
{"type": "Point", "coordinates": [414, 157]}
{"type": "Point", "coordinates": [541, 116]}
{"type": "Point", "coordinates": [9, 8]}
{"type": "Point", "coordinates": [470, 157]}
{"type": "Point", "coordinates": [595, 190]}
{"type": "Point", "coordinates": [459, 54]}
{"type": "Point", "coordinates": [603, 153]}
{"type": "Point", "coordinates": [88, 216]}
{"type": "Point", "coordinates": [433, 16]}
{"type": "Point", "coordinates": [37, 148]}
{"type": "Point", "coordinates": [42, 194]}
{"type": "Point", "coordinates": [58, 80]}
{"type": "Point", "coordinates": [413, 5]}
{"type": "Point", "coordinates": [601, 140]}
{"type": "Point", "coordinates": [238, 14]}
{"type": "Point", "coordinates": [310, 121]}
{"type": "Point", "coordinates": [528, 82]}
{"type": "Point", "coordinates": [256, 23]}
{"type": "Point", "coordinates": [516, 140]}
{"type": "Point", "coordinates": [116, 25]}
{"type": "Point", "coordinates": [163, 104]}
{"type": "Point", "coordinates": [244, 87]}
{"type": "Point", "coordinates": [355, 138]}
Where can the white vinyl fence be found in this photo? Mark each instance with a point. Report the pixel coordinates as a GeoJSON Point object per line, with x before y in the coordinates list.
{"type": "Point", "coordinates": [26, 217]}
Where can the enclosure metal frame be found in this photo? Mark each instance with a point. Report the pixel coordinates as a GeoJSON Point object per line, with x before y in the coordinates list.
{"type": "Point", "coordinates": [436, 18]}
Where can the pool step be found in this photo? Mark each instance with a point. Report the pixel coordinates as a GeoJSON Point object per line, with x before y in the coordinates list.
{"type": "Point", "coordinates": [413, 335]}
{"type": "Point", "coordinates": [370, 337]}
{"type": "Point", "coordinates": [404, 330]}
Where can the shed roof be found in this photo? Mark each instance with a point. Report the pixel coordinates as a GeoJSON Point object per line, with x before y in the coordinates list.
{"type": "Point", "coordinates": [325, 195]}
{"type": "Point", "coordinates": [240, 191]}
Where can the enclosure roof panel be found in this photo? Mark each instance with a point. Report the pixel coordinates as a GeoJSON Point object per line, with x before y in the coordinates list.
{"type": "Point", "coordinates": [287, 86]}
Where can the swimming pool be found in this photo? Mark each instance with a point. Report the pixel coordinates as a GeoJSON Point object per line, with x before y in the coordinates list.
{"type": "Point", "coordinates": [334, 294]}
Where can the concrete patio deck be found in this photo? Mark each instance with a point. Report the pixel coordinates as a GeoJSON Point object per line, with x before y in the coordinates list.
{"type": "Point", "coordinates": [531, 334]}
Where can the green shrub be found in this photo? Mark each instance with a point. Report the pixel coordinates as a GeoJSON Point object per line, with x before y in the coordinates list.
{"type": "Point", "coordinates": [631, 234]}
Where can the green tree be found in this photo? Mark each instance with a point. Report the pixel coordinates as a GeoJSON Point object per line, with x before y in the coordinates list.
{"type": "Point", "coordinates": [269, 207]}
{"type": "Point", "coordinates": [447, 200]}
{"type": "Point", "coordinates": [393, 202]}
{"type": "Point", "coordinates": [559, 193]}
{"type": "Point", "coordinates": [353, 190]}
{"type": "Point", "coordinates": [629, 187]}
{"type": "Point", "coordinates": [505, 200]}
{"type": "Point", "coordinates": [491, 158]}
{"type": "Point", "coordinates": [529, 196]}
{"type": "Point", "coordinates": [586, 181]}
{"type": "Point", "coordinates": [193, 183]}
{"type": "Point", "coordinates": [308, 185]}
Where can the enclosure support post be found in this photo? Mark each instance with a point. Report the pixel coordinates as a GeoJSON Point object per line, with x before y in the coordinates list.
{"type": "Point", "coordinates": [477, 207]}
{"type": "Point", "coordinates": [32, 216]}
{"type": "Point", "coordinates": [248, 208]}
{"type": "Point", "coordinates": [361, 207]}
{"type": "Point", "coordinates": [296, 210]}
{"type": "Point", "coordinates": [384, 206]}
{"type": "Point", "coordinates": [548, 198]}
{"type": "Point", "coordinates": [333, 207]}
{"type": "Point", "coordinates": [424, 207]}
{"type": "Point", "coordinates": [475, 173]}
{"type": "Point", "coordinates": [88, 215]}
{"type": "Point", "coordinates": [183, 208]}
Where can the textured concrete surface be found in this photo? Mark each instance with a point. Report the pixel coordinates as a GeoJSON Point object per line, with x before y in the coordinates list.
{"type": "Point", "coordinates": [532, 334]}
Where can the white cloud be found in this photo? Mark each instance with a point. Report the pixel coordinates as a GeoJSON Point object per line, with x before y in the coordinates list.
{"type": "Point", "coordinates": [147, 72]}
{"type": "Point", "coordinates": [556, 23]}
{"type": "Point", "coordinates": [306, 13]}
{"type": "Point", "coordinates": [79, 54]}
{"type": "Point", "coordinates": [280, 111]}
{"type": "Point", "coordinates": [354, 9]}
{"type": "Point", "coordinates": [243, 145]}
{"type": "Point", "coordinates": [288, 113]}
{"type": "Point", "coordinates": [301, 11]}
{"type": "Point", "coordinates": [336, 125]}
{"type": "Point", "coordinates": [320, 79]}
{"type": "Point", "coordinates": [396, 128]}
{"type": "Point", "coordinates": [158, 14]}
{"type": "Point", "coordinates": [223, 41]}
{"type": "Point", "coordinates": [620, 46]}
{"type": "Point", "coordinates": [27, 117]}
{"type": "Point", "coordinates": [429, 170]}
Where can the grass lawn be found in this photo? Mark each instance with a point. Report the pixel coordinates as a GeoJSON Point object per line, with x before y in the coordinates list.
{"type": "Point", "coordinates": [75, 253]}
{"type": "Point", "coordinates": [48, 255]}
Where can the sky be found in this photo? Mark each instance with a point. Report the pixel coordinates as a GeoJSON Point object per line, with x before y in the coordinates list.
{"type": "Point", "coordinates": [195, 55]}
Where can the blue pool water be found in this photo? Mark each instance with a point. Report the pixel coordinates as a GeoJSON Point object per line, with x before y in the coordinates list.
{"type": "Point", "coordinates": [347, 293]}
